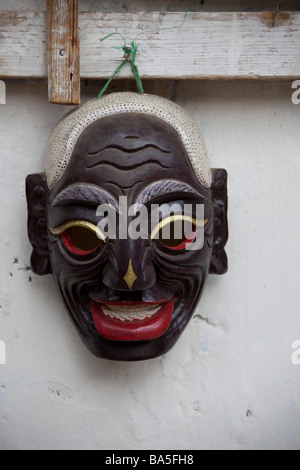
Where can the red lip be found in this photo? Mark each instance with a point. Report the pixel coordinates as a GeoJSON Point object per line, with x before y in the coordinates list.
{"type": "Point", "coordinates": [143, 329]}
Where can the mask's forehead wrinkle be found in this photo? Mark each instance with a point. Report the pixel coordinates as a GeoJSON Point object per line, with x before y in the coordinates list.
{"type": "Point", "coordinates": [129, 150]}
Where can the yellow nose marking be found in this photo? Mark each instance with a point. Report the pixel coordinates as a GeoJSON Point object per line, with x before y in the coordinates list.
{"type": "Point", "coordinates": [130, 277]}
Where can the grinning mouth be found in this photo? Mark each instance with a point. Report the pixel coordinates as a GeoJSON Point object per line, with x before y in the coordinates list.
{"type": "Point", "coordinates": [132, 321]}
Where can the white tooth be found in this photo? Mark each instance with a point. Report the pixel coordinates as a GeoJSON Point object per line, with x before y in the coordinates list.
{"type": "Point", "coordinates": [130, 312]}
{"type": "Point", "coordinates": [130, 308]}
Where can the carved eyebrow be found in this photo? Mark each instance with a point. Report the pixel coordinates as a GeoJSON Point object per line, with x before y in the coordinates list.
{"type": "Point", "coordinates": [85, 192]}
{"type": "Point", "coordinates": [164, 187]}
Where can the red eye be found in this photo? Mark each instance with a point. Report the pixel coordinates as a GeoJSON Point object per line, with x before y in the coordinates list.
{"type": "Point", "coordinates": [174, 235]}
{"type": "Point", "coordinates": [80, 240]}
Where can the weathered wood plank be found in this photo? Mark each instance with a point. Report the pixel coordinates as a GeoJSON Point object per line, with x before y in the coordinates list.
{"type": "Point", "coordinates": [63, 51]}
{"type": "Point", "coordinates": [208, 46]}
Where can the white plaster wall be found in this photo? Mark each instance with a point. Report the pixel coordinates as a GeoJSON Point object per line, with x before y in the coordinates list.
{"type": "Point", "coordinates": [229, 383]}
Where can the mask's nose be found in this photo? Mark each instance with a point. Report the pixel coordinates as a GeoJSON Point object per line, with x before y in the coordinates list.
{"type": "Point", "coordinates": [130, 266]}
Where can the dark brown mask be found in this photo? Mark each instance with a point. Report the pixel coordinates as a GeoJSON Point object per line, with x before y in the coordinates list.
{"type": "Point", "coordinates": [130, 298]}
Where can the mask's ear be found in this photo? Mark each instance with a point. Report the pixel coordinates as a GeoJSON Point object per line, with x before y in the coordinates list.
{"type": "Point", "coordinates": [219, 263]}
{"type": "Point", "coordinates": [36, 194]}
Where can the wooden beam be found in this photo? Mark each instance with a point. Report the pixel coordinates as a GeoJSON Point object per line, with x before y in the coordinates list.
{"type": "Point", "coordinates": [208, 46]}
{"type": "Point", "coordinates": [63, 51]}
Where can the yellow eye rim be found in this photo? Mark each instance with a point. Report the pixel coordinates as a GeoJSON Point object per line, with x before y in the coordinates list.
{"type": "Point", "coordinates": [88, 225]}
{"type": "Point", "coordinates": [79, 223]}
{"type": "Point", "coordinates": [175, 218]}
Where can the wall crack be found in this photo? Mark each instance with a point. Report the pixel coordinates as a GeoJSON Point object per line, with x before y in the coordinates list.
{"type": "Point", "coordinates": [208, 322]}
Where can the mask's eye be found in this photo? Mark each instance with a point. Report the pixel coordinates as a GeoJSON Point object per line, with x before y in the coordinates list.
{"type": "Point", "coordinates": [79, 236]}
{"type": "Point", "coordinates": [177, 232]}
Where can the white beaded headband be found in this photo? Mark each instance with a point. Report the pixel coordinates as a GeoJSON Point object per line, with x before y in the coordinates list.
{"type": "Point", "coordinates": [63, 139]}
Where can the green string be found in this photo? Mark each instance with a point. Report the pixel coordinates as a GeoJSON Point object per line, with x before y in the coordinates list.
{"type": "Point", "coordinates": [130, 55]}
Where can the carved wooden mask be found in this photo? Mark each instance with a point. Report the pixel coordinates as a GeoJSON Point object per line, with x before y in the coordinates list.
{"type": "Point", "coordinates": [116, 162]}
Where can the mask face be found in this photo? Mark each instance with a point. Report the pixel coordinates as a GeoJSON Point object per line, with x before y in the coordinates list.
{"type": "Point", "coordinates": [129, 234]}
